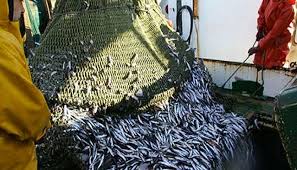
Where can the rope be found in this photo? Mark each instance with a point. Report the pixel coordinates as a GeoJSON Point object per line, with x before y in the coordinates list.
{"type": "Point", "coordinates": [237, 68]}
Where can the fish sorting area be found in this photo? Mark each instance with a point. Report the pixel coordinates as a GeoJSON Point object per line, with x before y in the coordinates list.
{"type": "Point", "coordinates": [132, 95]}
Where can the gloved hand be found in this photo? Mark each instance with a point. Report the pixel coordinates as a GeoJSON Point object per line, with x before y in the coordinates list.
{"type": "Point", "coordinates": [260, 34]}
{"type": "Point", "coordinates": [253, 50]}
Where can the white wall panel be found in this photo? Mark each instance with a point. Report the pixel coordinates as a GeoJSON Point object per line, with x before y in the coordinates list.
{"type": "Point", "coordinates": [227, 28]}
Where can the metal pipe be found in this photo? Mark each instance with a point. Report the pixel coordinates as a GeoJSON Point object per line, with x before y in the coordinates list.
{"type": "Point", "coordinates": [237, 68]}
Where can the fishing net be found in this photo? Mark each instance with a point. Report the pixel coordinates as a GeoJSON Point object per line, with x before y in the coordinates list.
{"type": "Point", "coordinates": [192, 131]}
{"type": "Point", "coordinates": [121, 58]}
{"type": "Point", "coordinates": [110, 55]}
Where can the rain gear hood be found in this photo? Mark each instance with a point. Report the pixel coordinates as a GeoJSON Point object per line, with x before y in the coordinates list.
{"type": "Point", "coordinates": [6, 24]}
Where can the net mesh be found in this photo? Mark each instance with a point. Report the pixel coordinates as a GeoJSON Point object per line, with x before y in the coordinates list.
{"type": "Point", "coordinates": [110, 55]}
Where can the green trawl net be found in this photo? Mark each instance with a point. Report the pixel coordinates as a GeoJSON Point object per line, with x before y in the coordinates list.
{"type": "Point", "coordinates": [110, 55]}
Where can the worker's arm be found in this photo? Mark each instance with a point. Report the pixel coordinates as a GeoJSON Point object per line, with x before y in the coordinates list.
{"type": "Point", "coordinates": [24, 113]}
{"type": "Point", "coordinates": [281, 24]}
{"type": "Point", "coordinates": [261, 18]}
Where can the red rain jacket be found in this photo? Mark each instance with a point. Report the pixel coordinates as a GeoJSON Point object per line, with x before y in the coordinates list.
{"type": "Point", "coordinates": [275, 17]}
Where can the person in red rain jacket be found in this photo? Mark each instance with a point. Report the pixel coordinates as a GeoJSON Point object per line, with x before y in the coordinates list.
{"type": "Point", "coordinates": [275, 17]}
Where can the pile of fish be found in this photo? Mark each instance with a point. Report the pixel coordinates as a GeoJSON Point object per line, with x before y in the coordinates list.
{"type": "Point", "coordinates": [191, 132]}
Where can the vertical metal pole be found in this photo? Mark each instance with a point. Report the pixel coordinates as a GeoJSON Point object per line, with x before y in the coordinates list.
{"type": "Point", "coordinates": [47, 10]}
{"type": "Point", "coordinates": [195, 9]}
{"type": "Point", "coordinates": [180, 22]}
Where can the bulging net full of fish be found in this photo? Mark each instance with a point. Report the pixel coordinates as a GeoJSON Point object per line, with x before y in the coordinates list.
{"type": "Point", "coordinates": [102, 54]}
{"type": "Point", "coordinates": [110, 56]}
{"type": "Point", "coordinates": [191, 132]}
